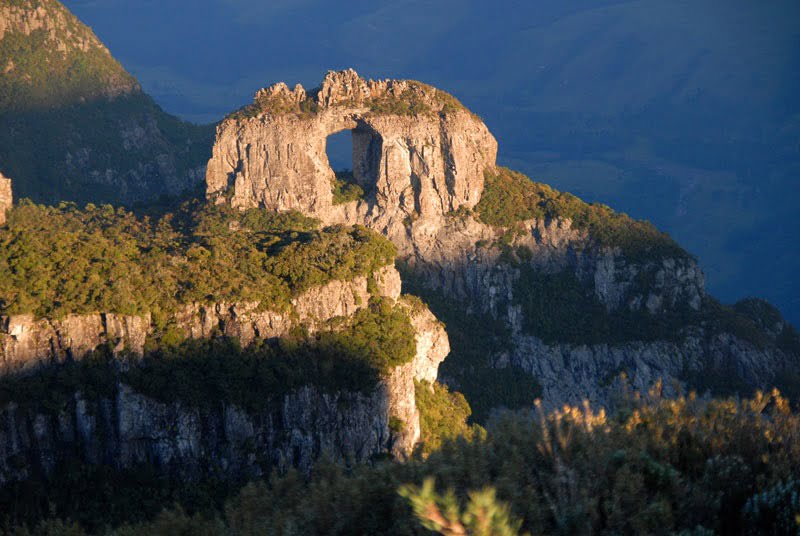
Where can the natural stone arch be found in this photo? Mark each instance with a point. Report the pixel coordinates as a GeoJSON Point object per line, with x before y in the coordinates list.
{"type": "Point", "coordinates": [365, 154]}
{"type": "Point", "coordinates": [421, 152]}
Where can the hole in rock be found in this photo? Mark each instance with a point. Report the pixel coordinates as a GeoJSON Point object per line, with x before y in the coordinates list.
{"type": "Point", "coordinates": [339, 147]}
{"type": "Point", "coordinates": [354, 156]}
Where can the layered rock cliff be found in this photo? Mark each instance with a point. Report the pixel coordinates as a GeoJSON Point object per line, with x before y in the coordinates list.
{"type": "Point", "coordinates": [422, 161]}
{"type": "Point", "coordinates": [123, 428]}
{"type": "Point", "coordinates": [27, 342]}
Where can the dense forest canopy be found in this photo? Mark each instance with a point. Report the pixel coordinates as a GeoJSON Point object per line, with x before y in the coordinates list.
{"type": "Point", "coordinates": [65, 260]}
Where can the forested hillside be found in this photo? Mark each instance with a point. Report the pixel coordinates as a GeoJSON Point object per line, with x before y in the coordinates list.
{"type": "Point", "coordinates": [75, 126]}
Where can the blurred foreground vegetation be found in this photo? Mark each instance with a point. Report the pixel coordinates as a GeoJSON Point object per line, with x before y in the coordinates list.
{"type": "Point", "coordinates": [683, 466]}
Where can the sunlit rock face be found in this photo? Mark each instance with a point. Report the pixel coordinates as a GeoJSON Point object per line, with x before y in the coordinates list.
{"type": "Point", "coordinates": [6, 198]}
{"type": "Point", "coordinates": [417, 152]}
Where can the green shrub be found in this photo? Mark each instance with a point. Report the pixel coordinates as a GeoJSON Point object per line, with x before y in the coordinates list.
{"type": "Point", "coordinates": [58, 261]}
{"type": "Point", "coordinates": [396, 424]}
{"type": "Point", "coordinates": [345, 188]}
{"type": "Point", "coordinates": [442, 416]}
{"type": "Point", "coordinates": [510, 197]}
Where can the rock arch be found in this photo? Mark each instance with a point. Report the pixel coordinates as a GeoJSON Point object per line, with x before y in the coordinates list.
{"type": "Point", "coordinates": [416, 149]}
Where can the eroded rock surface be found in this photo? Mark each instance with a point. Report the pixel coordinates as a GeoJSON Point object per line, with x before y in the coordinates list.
{"type": "Point", "coordinates": [422, 164]}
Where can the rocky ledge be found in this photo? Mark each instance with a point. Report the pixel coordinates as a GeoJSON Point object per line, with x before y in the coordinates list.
{"type": "Point", "coordinates": [125, 428]}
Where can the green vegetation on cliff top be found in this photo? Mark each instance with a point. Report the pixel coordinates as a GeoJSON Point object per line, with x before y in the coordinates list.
{"type": "Point", "coordinates": [510, 198]}
{"type": "Point", "coordinates": [44, 70]}
{"type": "Point", "coordinates": [62, 260]}
{"type": "Point", "coordinates": [417, 99]}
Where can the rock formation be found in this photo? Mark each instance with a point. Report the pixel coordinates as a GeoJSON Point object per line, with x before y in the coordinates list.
{"type": "Point", "coordinates": [130, 428]}
{"type": "Point", "coordinates": [6, 198]}
{"type": "Point", "coordinates": [421, 158]}
{"type": "Point", "coordinates": [422, 161]}
{"type": "Point", "coordinates": [27, 342]}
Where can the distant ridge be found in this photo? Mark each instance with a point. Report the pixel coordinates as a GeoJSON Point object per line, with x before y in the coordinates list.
{"type": "Point", "coordinates": [75, 125]}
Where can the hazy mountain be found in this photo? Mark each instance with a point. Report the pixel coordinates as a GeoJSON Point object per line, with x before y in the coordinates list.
{"type": "Point", "coordinates": [74, 125]}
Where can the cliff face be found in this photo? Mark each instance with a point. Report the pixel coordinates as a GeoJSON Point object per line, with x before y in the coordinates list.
{"type": "Point", "coordinates": [421, 160]}
{"type": "Point", "coordinates": [129, 428]}
{"type": "Point", "coordinates": [27, 342]}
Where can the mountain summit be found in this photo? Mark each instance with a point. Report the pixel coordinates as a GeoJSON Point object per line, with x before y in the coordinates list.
{"type": "Point", "coordinates": [49, 58]}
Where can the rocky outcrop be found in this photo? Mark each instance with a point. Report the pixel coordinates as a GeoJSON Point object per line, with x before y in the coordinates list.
{"type": "Point", "coordinates": [130, 428]}
{"type": "Point", "coordinates": [6, 198]}
{"type": "Point", "coordinates": [421, 160]}
{"type": "Point", "coordinates": [27, 342]}
{"type": "Point", "coordinates": [422, 164]}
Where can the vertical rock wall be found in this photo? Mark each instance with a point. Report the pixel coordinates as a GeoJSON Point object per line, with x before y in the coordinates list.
{"type": "Point", "coordinates": [291, 430]}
